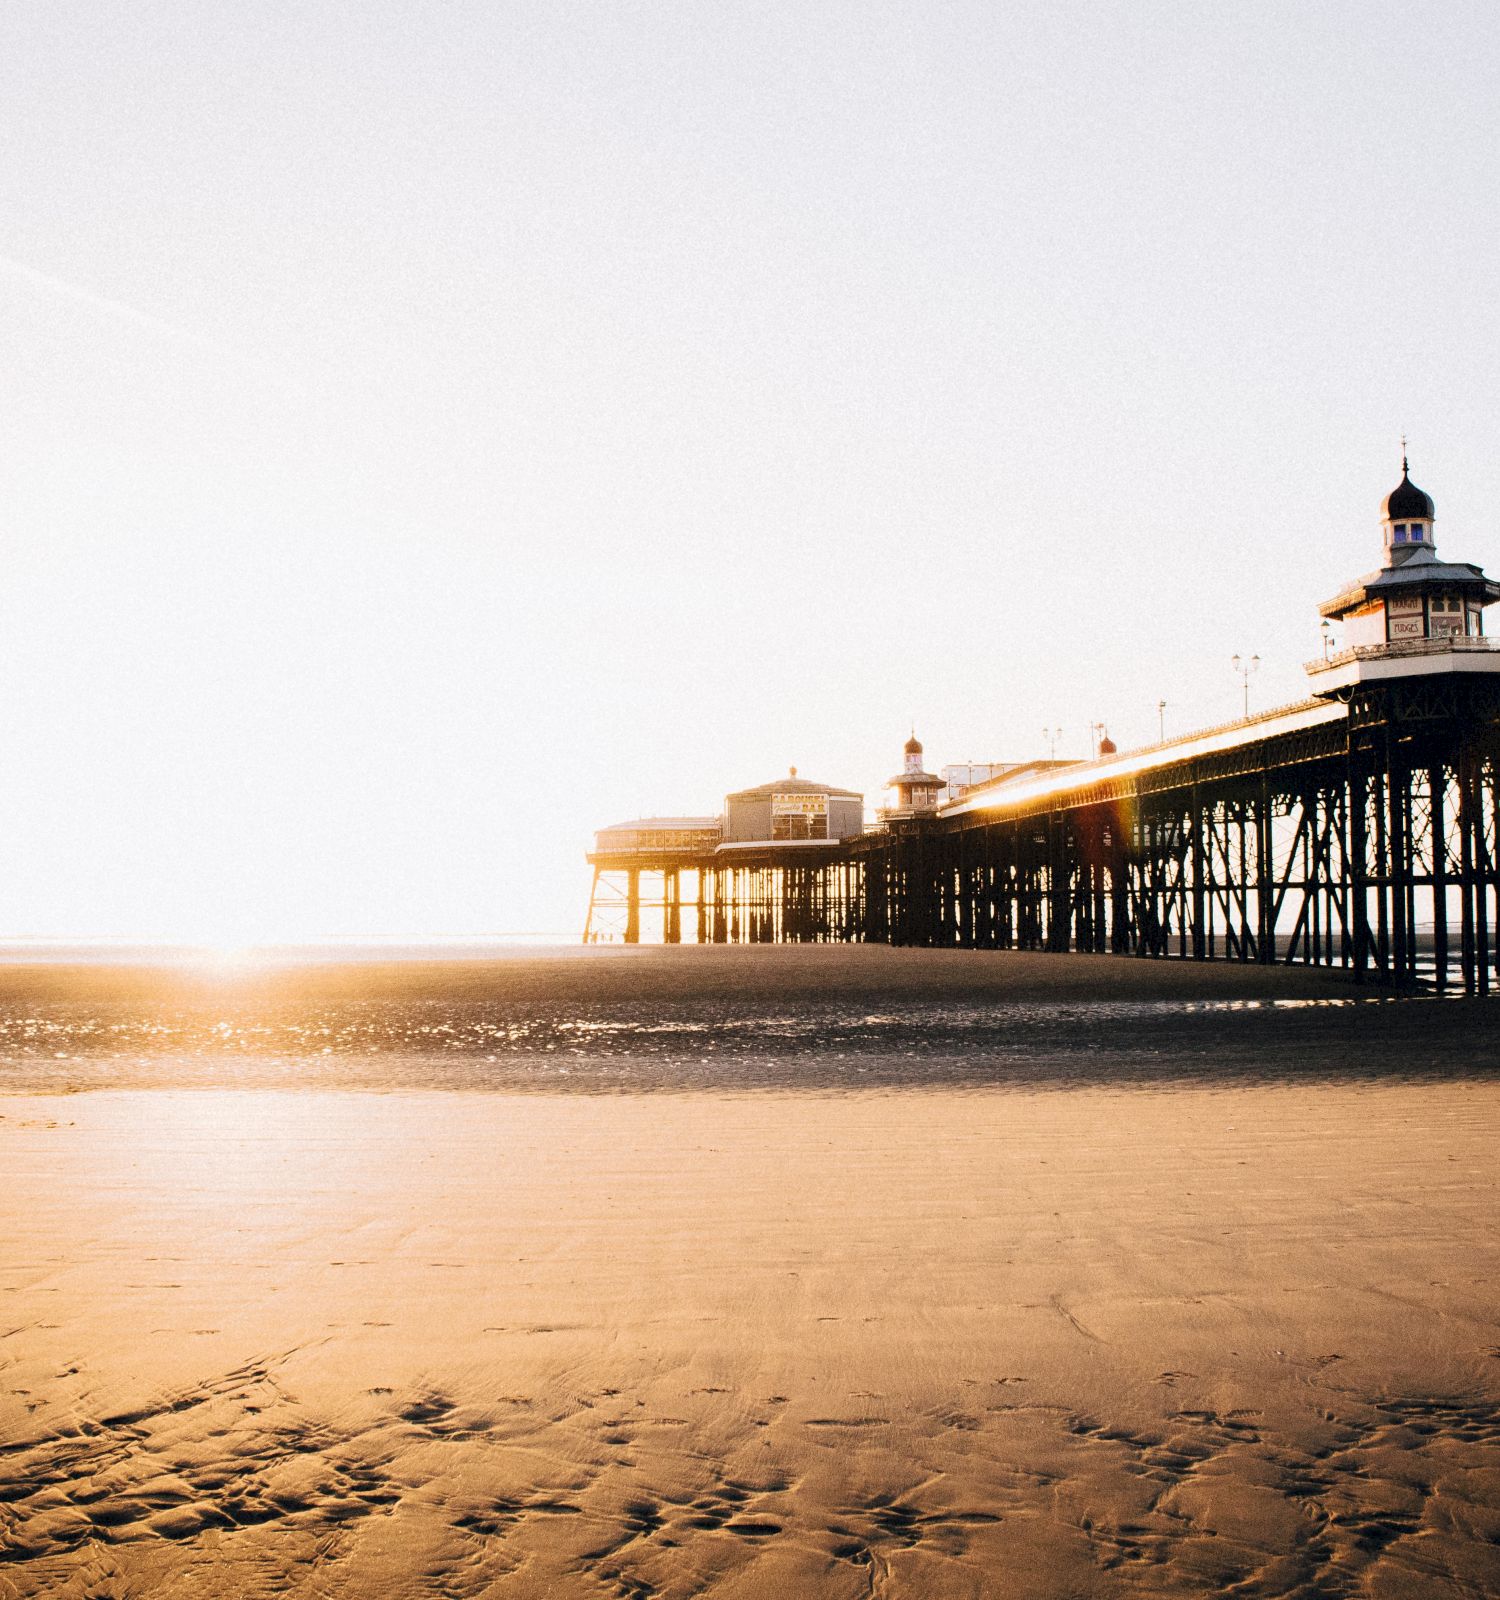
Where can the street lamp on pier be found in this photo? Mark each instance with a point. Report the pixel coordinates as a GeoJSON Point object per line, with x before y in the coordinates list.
{"type": "Point", "coordinates": [1245, 669]}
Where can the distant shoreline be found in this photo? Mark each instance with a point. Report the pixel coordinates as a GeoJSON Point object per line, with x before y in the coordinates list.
{"type": "Point", "coordinates": [155, 952]}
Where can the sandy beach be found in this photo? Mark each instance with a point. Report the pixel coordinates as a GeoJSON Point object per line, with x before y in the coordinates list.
{"type": "Point", "coordinates": [746, 1273]}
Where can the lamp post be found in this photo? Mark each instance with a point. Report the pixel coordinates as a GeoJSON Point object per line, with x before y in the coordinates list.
{"type": "Point", "coordinates": [1245, 668]}
{"type": "Point", "coordinates": [1327, 639]}
{"type": "Point", "coordinates": [1161, 721]}
{"type": "Point", "coordinates": [1052, 735]}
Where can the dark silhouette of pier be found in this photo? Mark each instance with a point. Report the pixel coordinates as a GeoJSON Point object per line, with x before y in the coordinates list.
{"type": "Point", "coordinates": [1356, 830]}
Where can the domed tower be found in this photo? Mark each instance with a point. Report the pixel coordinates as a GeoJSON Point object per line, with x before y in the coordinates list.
{"type": "Point", "coordinates": [916, 790]}
{"type": "Point", "coordinates": [1406, 518]}
{"type": "Point", "coordinates": [1415, 613]}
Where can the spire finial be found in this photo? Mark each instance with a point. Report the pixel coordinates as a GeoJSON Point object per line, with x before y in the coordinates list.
{"type": "Point", "coordinates": [1404, 468]}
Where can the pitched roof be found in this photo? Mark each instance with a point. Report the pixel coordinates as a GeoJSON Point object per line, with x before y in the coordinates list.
{"type": "Point", "coordinates": [662, 824]}
{"type": "Point", "coordinates": [1416, 566]}
{"type": "Point", "coordinates": [763, 791]}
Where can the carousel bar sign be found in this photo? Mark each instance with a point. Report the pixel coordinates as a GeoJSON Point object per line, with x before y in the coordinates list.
{"type": "Point", "coordinates": [799, 805]}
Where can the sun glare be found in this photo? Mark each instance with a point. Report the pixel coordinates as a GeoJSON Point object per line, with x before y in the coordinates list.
{"type": "Point", "coordinates": [228, 958]}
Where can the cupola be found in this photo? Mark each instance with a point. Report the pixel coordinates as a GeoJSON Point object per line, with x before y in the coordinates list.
{"type": "Point", "coordinates": [916, 790]}
{"type": "Point", "coordinates": [1407, 516]}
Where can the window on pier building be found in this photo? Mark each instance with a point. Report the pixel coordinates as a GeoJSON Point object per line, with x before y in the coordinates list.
{"type": "Point", "coordinates": [786, 828]}
{"type": "Point", "coordinates": [1446, 615]}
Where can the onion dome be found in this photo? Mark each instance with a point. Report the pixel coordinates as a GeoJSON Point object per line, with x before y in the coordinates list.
{"type": "Point", "coordinates": [913, 746]}
{"type": "Point", "coordinates": [1108, 747]}
{"type": "Point", "coordinates": [1407, 501]}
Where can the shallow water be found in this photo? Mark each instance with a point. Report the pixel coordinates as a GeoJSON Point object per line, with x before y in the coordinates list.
{"type": "Point", "coordinates": [717, 1042]}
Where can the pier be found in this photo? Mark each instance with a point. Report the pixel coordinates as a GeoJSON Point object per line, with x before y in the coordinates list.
{"type": "Point", "coordinates": [1355, 830]}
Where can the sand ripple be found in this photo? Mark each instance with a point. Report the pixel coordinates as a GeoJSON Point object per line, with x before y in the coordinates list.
{"type": "Point", "coordinates": [423, 1494]}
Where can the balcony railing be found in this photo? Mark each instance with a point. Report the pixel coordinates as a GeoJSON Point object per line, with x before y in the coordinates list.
{"type": "Point", "coordinates": [1395, 649]}
{"type": "Point", "coordinates": [663, 844]}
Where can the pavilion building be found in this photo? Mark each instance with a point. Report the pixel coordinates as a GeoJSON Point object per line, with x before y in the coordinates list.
{"type": "Point", "coordinates": [1415, 615]}
{"type": "Point", "coordinates": [792, 810]}
{"type": "Point", "coordinates": [917, 791]}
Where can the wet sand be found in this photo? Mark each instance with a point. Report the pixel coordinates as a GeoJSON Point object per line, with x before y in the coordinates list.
{"type": "Point", "coordinates": [1038, 1303]}
{"type": "Point", "coordinates": [763, 1017]}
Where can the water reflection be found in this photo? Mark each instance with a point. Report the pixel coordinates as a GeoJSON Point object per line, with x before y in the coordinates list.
{"type": "Point", "coordinates": [720, 1041]}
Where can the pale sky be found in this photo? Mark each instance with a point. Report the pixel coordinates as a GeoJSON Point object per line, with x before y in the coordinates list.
{"type": "Point", "coordinates": [431, 432]}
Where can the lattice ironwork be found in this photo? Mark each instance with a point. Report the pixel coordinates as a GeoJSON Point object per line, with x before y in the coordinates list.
{"type": "Point", "coordinates": [1370, 843]}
